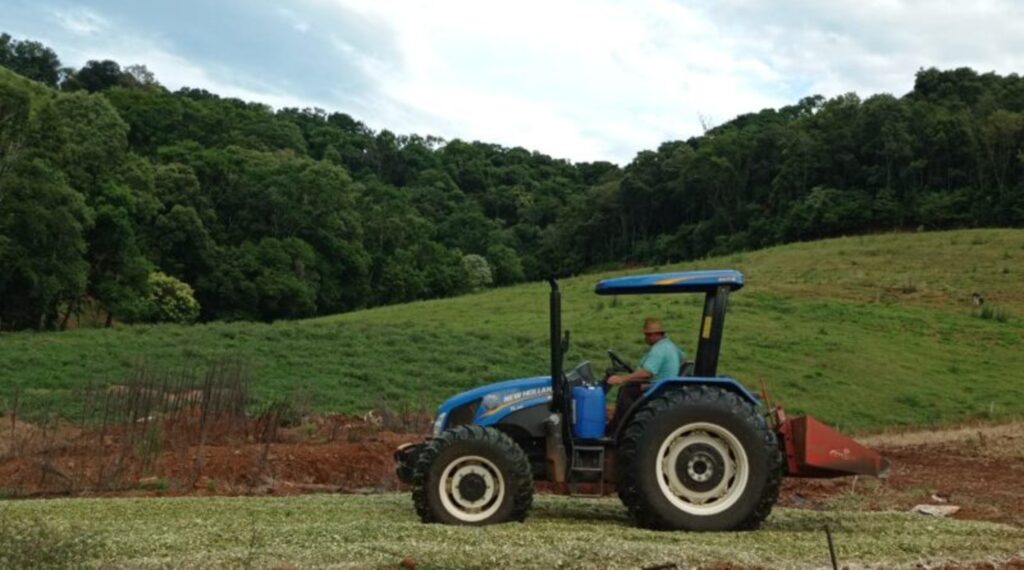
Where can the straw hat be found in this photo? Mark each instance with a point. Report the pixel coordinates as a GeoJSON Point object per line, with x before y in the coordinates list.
{"type": "Point", "coordinates": [652, 326]}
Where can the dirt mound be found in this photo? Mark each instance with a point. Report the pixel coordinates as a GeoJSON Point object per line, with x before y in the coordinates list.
{"type": "Point", "coordinates": [13, 434]}
{"type": "Point", "coordinates": [978, 468]}
{"type": "Point", "coordinates": [365, 465]}
{"type": "Point", "coordinates": [329, 453]}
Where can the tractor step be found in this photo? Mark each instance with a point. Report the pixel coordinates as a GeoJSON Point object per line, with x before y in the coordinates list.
{"type": "Point", "coordinates": [587, 460]}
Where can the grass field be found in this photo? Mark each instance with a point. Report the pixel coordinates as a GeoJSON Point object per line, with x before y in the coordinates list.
{"type": "Point", "coordinates": [328, 531]}
{"type": "Point", "coordinates": [865, 332]}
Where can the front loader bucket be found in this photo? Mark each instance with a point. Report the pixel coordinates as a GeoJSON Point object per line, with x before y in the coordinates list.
{"type": "Point", "coordinates": [813, 449]}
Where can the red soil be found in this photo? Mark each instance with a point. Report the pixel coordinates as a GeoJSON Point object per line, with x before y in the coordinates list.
{"type": "Point", "coordinates": [980, 469]}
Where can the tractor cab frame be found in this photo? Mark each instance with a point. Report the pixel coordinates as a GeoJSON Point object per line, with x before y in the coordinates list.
{"type": "Point", "coordinates": [714, 284]}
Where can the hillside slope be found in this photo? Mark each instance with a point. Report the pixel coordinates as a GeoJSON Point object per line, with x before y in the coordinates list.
{"type": "Point", "coordinates": [37, 91]}
{"type": "Point", "coordinates": [864, 332]}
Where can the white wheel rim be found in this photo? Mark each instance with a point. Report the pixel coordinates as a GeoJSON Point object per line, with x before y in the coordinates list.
{"type": "Point", "coordinates": [734, 464]}
{"type": "Point", "coordinates": [461, 507]}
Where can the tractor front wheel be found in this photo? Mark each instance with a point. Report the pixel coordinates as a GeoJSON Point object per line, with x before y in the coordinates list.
{"type": "Point", "coordinates": [472, 475]}
{"type": "Point", "coordinates": [698, 459]}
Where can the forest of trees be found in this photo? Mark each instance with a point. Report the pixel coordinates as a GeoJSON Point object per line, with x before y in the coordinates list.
{"type": "Point", "coordinates": [120, 197]}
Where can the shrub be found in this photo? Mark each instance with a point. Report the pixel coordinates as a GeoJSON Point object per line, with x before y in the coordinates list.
{"type": "Point", "coordinates": [478, 270]}
{"type": "Point", "coordinates": [990, 313]}
{"type": "Point", "coordinates": [506, 265]}
{"type": "Point", "coordinates": [170, 300]}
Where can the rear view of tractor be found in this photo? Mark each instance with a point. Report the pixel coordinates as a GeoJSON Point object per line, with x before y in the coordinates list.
{"type": "Point", "coordinates": [695, 452]}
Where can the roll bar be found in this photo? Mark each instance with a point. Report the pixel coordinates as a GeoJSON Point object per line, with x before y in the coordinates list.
{"type": "Point", "coordinates": [557, 385]}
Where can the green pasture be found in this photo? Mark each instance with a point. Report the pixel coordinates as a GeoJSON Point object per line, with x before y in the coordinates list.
{"type": "Point", "coordinates": [865, 332]}
{"type": "Point", "coordinates": [378, 531]}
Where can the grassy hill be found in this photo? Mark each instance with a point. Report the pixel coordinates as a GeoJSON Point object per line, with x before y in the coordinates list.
{"type": "Point", "coordinates": [37, 91]}
{"type": "Point", "coordinates": [864, 332]}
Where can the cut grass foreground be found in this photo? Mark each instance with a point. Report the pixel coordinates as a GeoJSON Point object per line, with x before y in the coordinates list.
{"type": "Point", "coordinates": [323, 531]}
{"type": "Point", "coordinates": [863, 332]}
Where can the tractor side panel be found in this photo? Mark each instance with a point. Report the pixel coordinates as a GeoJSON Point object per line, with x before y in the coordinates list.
{"type": "Point", "coordinates": [529, 421]}
{"type": "Point", "coordinates": [487, 405]}
{"type": "Point", "coordinates": [519, 410]}
{"type": "Point", "coordinates": [506, 388]}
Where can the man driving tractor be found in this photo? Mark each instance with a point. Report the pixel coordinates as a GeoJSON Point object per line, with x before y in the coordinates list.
{"type": "Point", "coordinates": [663, 360]}
{"type": "Point", "coordinates": [697, 453]}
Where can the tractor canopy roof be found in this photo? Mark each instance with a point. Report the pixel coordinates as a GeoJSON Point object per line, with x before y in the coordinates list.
{"type": "Point", "coordinates": [680, 282]}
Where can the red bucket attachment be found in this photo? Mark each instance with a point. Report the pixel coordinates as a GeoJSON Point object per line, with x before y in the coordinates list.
{"type": "Point", "coordinates": [815, 450]}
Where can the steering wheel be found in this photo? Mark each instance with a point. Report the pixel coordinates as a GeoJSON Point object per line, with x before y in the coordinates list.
{"type": "Point", "coordinates": [618, 362]}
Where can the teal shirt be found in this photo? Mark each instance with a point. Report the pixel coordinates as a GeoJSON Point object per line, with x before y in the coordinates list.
{"type": "Point", "coordinates": [663, 360]}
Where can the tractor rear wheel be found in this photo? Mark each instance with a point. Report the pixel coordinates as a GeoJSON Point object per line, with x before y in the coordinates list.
{"type": "Point", "coordinates": [472, 475]}
{"type": "Point", "coordinates": [698, 459]}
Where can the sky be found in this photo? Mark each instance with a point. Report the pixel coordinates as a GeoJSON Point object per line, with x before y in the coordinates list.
{"type": "Point", "coordinates": [584, 80]}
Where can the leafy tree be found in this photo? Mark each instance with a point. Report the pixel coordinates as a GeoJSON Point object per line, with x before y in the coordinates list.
{"type": "Point", "coordinates": [154, 116]}
{"type": "Point", "coordinates": [885, 210]}
{"type": "Point", "coordinates": [87, 140]}
{"type": "Point", "coordinates": [141, 75]}
{"type": "Point", "coordinates": [944, 210]}
{"type": "Point", "coordinates": [1001, 136]}
{"type": "Point", "coordinates": [15, 105]}
{"type": "Point", "coordinates": [97, 76]}
{"type": "Point", "coordinates": [169, 301]}
{"type": "Point", "coordinates": [442, 270]}
{"type": "Point", "coordinates": [43, 224]}
{"type": "Point", "coordinates": [505, 263]}
{"type": "Point", "coordinates": [267, 133]}
{"type": "Point", "coordinates": [478, 270]}
{"type": "Point", "coordinates": [118, 270]}
{"type": "Point", "coordinates": [827, 212]}
{"type": "Point", "coordinates": [286, 288]}
{"type": "Point", "coordinates": [281, 214]}
{"type": "Point", "coordinates": [30, 59]}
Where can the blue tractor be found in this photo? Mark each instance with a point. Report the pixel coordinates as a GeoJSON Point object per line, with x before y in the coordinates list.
{"type": "Point", "coordinates": [696, 452]}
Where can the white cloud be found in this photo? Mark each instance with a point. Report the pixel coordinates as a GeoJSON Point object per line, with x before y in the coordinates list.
{"type": "Point", "coordinates": [581, 79]}
{"type": "Point", "coordinates": [603, 79]}
{"type": "Point", "coordinates": [298, 23]}
{"type": "Point", "coordinates": [80, 21]}
{"type": "Point", "coordinates": [876, 45]}
{"type": "Point", "coordinates": [174, 71]}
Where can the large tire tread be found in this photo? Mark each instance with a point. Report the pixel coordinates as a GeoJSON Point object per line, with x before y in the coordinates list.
{"type": "Point", "coordinates": [520, 475]}
{"type": "Point", "coordinates": [638, 504]}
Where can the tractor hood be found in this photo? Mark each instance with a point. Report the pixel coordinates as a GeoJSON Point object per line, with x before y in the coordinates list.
{"type": "Point", "coordinates": [487, 405]}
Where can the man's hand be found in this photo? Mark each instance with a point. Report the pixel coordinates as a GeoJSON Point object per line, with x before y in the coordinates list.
{"type": "Point", "coordinates": [616, 379]}
{"type": "Point", "coordinates": [638, 375]}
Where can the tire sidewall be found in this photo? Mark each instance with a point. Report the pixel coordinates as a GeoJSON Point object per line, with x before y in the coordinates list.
{"type": "Point", "coordinates": [461, 448]}
{"type": "Point", "coordinates": [720, 414]}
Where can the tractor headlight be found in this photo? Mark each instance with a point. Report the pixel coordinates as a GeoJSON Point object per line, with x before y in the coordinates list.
{"type": "Point", "coordinates": [439, 422]}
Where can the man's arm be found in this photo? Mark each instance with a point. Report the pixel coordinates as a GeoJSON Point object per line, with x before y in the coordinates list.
{"type": "Point", "coordinates": [649, 363]}
{"type": "Point", "coordinates": [638, 375]}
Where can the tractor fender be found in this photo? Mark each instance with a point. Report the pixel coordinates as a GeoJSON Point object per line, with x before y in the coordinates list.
{"type": "Point", "coordinates": [683, 382]}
